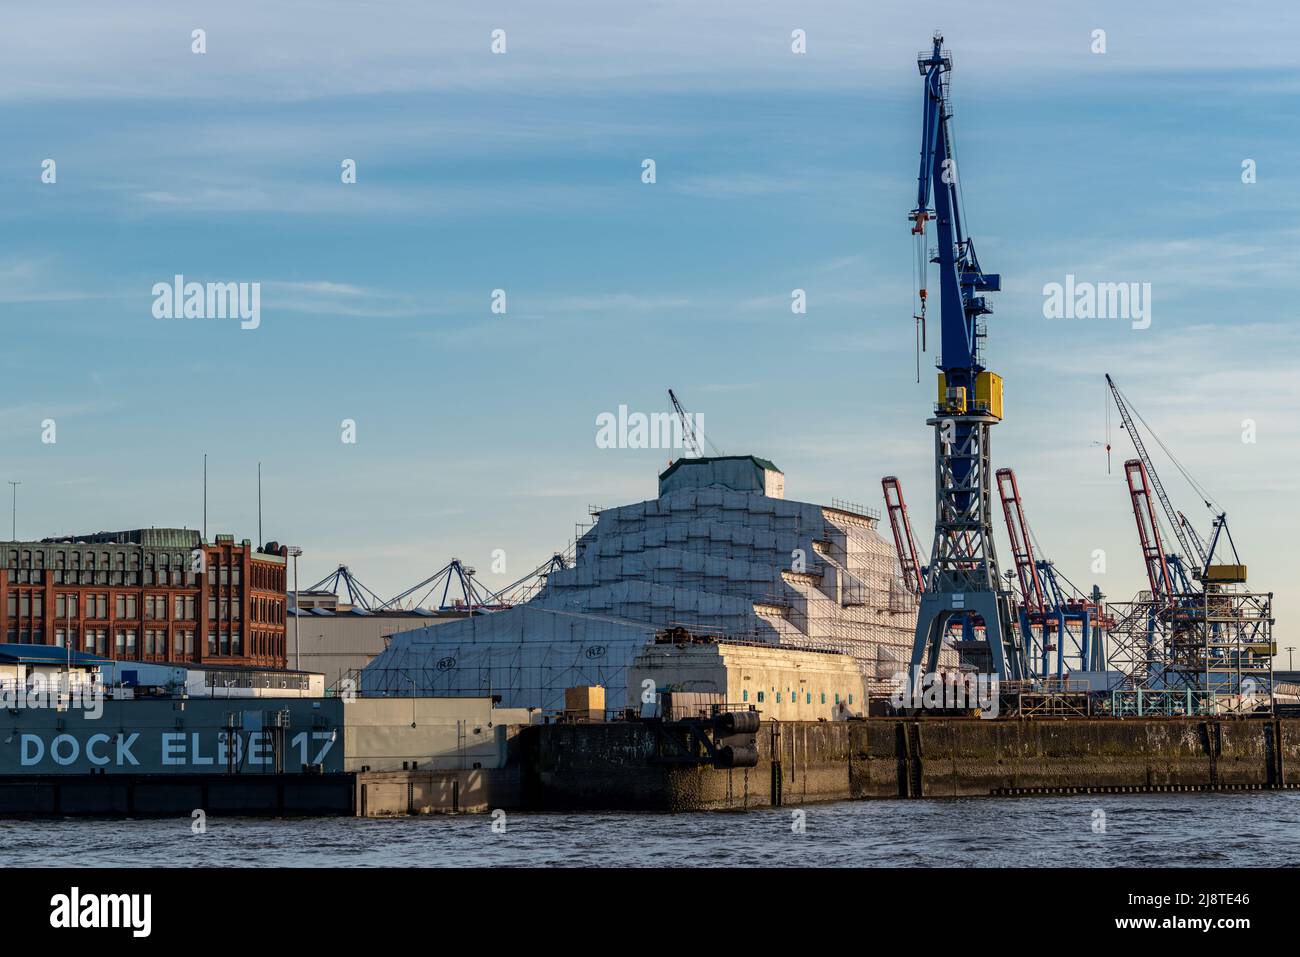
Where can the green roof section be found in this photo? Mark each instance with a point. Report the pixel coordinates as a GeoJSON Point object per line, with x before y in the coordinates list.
{"type": "Point", "coordinates": [764, 464]}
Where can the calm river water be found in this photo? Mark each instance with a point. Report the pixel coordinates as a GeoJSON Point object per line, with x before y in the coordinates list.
{"type": "Point", "coordinates": [1247, 829]}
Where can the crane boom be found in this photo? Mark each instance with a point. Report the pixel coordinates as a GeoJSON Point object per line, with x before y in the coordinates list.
{"type": "Point", "coordinates": [904, 542]}
{"type": "Point", "coordinates": [1153, 551]}
{"type": "Point", "coordinates": [1191, 546]}
{"type": "Point", "coordinates": [1022, 546]}
{"type": "Point", "coordinates": [688, 433]}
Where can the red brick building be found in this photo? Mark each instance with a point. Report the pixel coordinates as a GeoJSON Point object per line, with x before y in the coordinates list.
{"type": "Point", "coordinates": [154, 594]}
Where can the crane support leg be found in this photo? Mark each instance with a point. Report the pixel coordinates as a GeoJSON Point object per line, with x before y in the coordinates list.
{"type": "Point", "coordinates": [962, 578]}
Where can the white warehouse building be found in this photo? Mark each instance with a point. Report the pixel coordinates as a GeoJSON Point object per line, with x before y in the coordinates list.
{"type": "Point", "coordinates": [720, 552]}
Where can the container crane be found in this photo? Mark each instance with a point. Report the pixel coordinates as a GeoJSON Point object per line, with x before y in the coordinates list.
{"type": "Point", "coordinates": [904, 542]}
{"type": "Point", "coordinates": [1154, 558]}
{"type": "Point", "coordinates": [474, 598]}
{"type": "Point", "coordinates": [522, 590]}
{"type": "Point", "coordinates": [358, 594]}
{"type": "Point", "coordinates": [1200, 629]}
{"type": "Point", "coordinates": [1052, 618]}
{"type": "Point", "coordinates": [962, 582]}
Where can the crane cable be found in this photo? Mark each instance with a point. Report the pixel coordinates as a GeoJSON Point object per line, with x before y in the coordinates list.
{"type": "Point", "coordinates": [1206, 498]}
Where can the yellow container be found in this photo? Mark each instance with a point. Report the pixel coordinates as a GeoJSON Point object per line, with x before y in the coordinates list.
{"type": "Point", "coordinates": [1226, 574]}
{"type": "Point", "coordinates": [988, 393]}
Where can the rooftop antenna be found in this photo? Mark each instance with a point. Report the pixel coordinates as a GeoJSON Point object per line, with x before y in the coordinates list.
{"type": "Point", "coordinates": [205, 496]}
{"type": "Point", "coordinates": [260, 540]}
{"type": "Point", "coordinates": [14, 532]}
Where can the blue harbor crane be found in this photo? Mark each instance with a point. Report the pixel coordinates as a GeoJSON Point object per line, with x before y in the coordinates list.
{"type": "Point", "coordinates": [962, 583]}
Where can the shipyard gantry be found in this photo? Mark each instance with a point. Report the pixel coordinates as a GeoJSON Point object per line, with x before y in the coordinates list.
{"type": "Point", "coordinates": [1197, 641]}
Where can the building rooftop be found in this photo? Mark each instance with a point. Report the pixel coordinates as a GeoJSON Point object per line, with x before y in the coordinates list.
{"type": "Point", "coordinates": [764, 464]}
{"type": "Point", "coordinates": [151, 537]}
{"type": "Point", "coordinates": [15, 654]}
{"type": "Point", "coordinates": [739, 473]}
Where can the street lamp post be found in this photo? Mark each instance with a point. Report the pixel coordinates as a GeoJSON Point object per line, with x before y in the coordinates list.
{"type": "Point", "coordinates": [294, 552]}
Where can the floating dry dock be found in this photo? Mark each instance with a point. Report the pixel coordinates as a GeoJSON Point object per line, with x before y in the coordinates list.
{"type": "Point", "coordinates": [615, 765]}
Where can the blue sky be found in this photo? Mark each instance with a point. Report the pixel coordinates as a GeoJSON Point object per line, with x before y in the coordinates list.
{"type": "Point", "coordinates": [522, 171]}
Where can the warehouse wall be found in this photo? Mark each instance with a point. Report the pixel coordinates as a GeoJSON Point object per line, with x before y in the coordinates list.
{"type": "Point", "coordinates": [383, 734]}
{"type": "Point", "coordinates": [781, 683]}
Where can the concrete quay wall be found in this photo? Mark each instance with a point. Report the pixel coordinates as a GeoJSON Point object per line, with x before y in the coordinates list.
{"type": "Point", "coordinates": [619, 765]}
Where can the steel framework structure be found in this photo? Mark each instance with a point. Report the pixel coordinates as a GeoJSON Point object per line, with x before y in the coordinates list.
{"type": "Point", "coordinates": [1064, 632]}
{"type": "Point", "coordinates": [962, 582]}
{"type": "Point", "coordinates": [358, 594]}
{"type": "Point", "coordinates": [1212, 637]}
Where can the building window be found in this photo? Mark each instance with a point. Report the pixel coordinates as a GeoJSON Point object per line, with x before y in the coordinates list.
{"type": "Point", "coordinates": [744, 695]}
{"type": "Point", "coordinates": [120, 644]}
{"type": "Point", "coordinates": [236, 644]}
{"type": "Point", "coordinates": [212, 642]}
{"type": "Point", "coordinates": [760, 697]}
{"type": "Point", "coordinates": [823, 697]}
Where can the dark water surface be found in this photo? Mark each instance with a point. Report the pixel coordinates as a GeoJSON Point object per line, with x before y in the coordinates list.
{"type": "Point", "coordinates": [1157, 830]}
